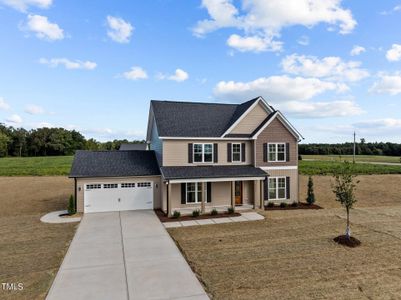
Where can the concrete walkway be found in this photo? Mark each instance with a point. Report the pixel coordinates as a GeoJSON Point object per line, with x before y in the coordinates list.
{"type": "Point", "coordinates": [126, 255]}
{"type": "Point", "coordinates": [54, 217]}
{"type": "Point", "coordinates": [246, 216]}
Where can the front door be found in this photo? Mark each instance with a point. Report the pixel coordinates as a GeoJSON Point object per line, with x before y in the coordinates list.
{"type": "Point", "coordinates": [238, 193]}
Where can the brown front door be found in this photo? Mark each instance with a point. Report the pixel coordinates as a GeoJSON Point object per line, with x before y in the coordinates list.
{"type": "Point", "coordinates": [238, 193]}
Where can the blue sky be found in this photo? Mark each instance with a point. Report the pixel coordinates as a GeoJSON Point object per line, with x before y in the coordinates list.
{"type": "Point", "coordinates": [330, 66]}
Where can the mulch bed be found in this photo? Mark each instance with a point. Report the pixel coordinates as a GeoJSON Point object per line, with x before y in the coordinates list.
{"type": "Point", "coordinates": [290, 207]}
{"type": "Point", "coordinates": [163, 218]}
{"type": "Point", "coordinates": [349, 242]}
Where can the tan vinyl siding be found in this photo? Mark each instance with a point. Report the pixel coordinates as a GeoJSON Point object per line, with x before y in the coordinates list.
{"type": "Point", "coordinates": [294, 183]}
{"type": "Point", "coordinates": [175, 153]}
{"type": "Point", "coordinates": [82, 181]}
{"type": "Point", "coordinates": [251, 121]}
{"type": "Point", "coordinates": [276, 132]}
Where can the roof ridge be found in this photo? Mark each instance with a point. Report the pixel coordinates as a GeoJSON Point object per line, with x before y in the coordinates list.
{"type": "Point", "coordinates": [195, 102]}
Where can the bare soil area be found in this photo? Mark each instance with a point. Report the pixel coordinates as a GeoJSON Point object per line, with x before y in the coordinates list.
{"type": "Point", "coordinates": [30, 251]}
{"type": "Point", "coordinates": [292, 255]}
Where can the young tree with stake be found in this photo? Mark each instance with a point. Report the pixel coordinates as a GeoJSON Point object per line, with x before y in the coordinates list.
{"type": "Point", "coordinates": [344, 189]}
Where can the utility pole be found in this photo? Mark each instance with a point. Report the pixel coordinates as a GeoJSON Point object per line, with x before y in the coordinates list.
{"type": "Point", "coordinates": [354, 147]}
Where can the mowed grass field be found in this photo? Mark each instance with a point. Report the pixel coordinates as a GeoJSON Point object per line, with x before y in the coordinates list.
{"type": "Point", "coordinates": [35, 166]}
{"type": "Point", "coordinates": [61, 165]}
{"type": "Point", "coordinates": [291, 254]}
{"type": "Point", "coordinates": [360, 158]}
{"type": "Point", "coordinates": [30, 251]}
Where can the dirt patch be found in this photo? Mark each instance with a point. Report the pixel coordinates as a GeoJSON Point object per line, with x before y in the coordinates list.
{"type": "Point", "coordinates": [163, 218]}
{"type": "Point", "coordinates": [300, 205]}
{"type": "Point", "coordinates": [347, 241]}
{"type": "Point", "coordinates": [31, 251]}
{"type": "Point", "coordinates": [372, 191]}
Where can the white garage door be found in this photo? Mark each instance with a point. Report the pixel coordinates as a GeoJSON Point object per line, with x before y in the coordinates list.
{"type": "Point", "coordinates": [102, 197]}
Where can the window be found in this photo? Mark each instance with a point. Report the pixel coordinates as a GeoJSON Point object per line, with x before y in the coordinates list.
{"type": "Point", "coordinates": [110, 185]}
{"type": "Point", "coordinates": [236, 152]}
{"type": "Point", "coordinates": [144, 184]}
{"type": "Point", "coordinates": [194, 192]}
{"type": "Point", "coordinates": [128, 185]}
{"type": "Point", "coordinates": [93, 186]}
{"type": "Point", "coordinates": [276, 152]}
{"type": "Point", "coordinates": [277, 188]}
{"type": "Point", "coordinates": [203, 153]}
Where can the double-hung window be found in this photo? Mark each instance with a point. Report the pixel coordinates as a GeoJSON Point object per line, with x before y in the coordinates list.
{"type": "Point", "coordinates": [276, 152]}
{"type": "Point", "coordinates": [193, 192]}
{"type": "Point", "coordinates": [203, 153]}
{"type": "Point", "coordinates": [236, 152]}
{"type": "Point", "coordinates": [277, 188]}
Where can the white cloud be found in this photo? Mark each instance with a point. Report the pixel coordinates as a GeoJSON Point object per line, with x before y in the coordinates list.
{"type": "Point", "coordinates": [387, 84]}
{"type": "Point", "coordinates": [394, 53]}
{"type": "Point", "coordinates": [253, 43]}
{"type": "Point", "coordinates": [14, 119]}
{"type": "Point", "coordinates": [23, 5]}
{"type": "Point", "coordinates": [119, 30]}
{"type": "Point", "coordinates": [357, 50]}
{"type": "Point", "coordinates": [303, 40]}
{"type": "Point", "coordinates": [276, 88]}
{"type": "Point", "coordinates": [379, 124]}
{"type": "Point", "coordinates": [44, 29]}
{"type": "Point", "coordinates": [34, 109]}
{"type": "Point", "coordinates": [393, 10]}
{"type": "Point", "coordinates": [68, 64]}
{"type": "Point", "coordinates": [266, 19]}
{"type": "Point", "coordinates": [135, 73]}
{"type": "Point", "coordinates": [179, 76]}
{"type": "Point", "coordinates": [341, 108]}
{"type": "Point", "coordinates": [332, 67]}
{"type": "Point", "coordinates": [3, 104]}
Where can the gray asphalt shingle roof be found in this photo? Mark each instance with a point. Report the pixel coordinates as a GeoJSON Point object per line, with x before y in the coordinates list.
{"type": "Point", "coordinates": [194, 119]}
{"type": "Point", "coordinates": [114, 164]}
{"type": "Point", "coordinates": [187, 172]}
{"type": "Point", "coordinates": [133, 146]}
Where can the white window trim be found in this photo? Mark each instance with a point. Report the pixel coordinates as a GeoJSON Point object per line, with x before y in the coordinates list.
{"type": "Point", "coordinates": [276, 145]}
{"type": "Point", "coordinates": [285, 188]}
{"type": "Point", "coordinates": [203, 154]}
{"type": "Point", "coordinates": [197, 185]}
{"type": "Point", "coordinates": [232, 152]}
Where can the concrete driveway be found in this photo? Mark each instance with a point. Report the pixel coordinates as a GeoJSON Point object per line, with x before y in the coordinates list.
{"type": "Point", "coordinates": [124, 255]}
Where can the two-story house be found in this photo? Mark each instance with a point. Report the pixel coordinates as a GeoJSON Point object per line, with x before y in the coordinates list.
{"type": "Point", "coordinates": [200, 156]}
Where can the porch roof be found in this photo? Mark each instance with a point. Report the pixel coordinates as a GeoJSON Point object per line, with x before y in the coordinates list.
{"type": "Point", "coordinates": [210, 172]}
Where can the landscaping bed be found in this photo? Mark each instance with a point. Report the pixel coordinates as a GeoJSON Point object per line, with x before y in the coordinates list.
{"type": "Point", "coordinates": [290, 207]}
{"type": "Point", "coordinates": [163, 218]}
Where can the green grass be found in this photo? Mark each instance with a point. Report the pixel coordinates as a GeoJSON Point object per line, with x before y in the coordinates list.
{"type": "Point", "coordinates": [364, 158]}
{"type": "Point", "coordinates": [35, 166]}
{"type": "Point", "coordinates": [329, 167]}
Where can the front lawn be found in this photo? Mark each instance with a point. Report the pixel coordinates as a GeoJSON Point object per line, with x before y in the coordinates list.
{"type": "Point", "coordinates": [31, 252]}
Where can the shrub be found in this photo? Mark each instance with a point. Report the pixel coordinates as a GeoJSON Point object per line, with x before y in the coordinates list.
{"type": "Point", "coordinates": [283, 204]}
{"type": "Point", "coordinates": [299, 157]}
{"type": "Point", "coordinates": [214, 212]}
{"type": "Point", "coordinates": [196, 213]}
{"type": "Point", "coordinates": [270, 204]}
{"type": "Point", "coordinates": [230, 210]}
{"type": "Point", "coordinates": [176, 214]}
{"type": "Point", "coordinates": [71, 206]}
{"type": "Point", "coordinates": [294, 204]}
{"type": "Point", "coordinates": [310, 199]}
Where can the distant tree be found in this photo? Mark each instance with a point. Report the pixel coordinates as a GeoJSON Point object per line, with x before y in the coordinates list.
{"type": "Point", "coordinates": [344, 190]}
{"type": "Point", "coordinates": [310, 199]}
{"type": "Point", "coordinates": [4, 141]}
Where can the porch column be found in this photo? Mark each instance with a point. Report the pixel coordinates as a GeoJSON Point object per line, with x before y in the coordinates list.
{"type": "Point", "coordinates": [233, 194]}
{"type": "Point", "coordinates": [203, 197]}
{"type": "Point", "coordinates": [168, 199]}
{"type": "Point", "coordinates": [256, 193]}
{"type": "Point", "coordinates": [262, 194]}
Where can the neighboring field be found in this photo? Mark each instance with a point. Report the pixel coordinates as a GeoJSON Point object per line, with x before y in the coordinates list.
{"type": "Point", "coordinates": [35, 166]}
{"type": "Point", "coordinates": [328, 167]}
{"type": "Point", "coordinates": [31, 252]}
{"type": "Point", "coordinates": [364, 158]}
{"type": "Point", "coordinates": [291, 255]}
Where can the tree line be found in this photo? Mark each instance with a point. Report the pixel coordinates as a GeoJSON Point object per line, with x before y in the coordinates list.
{"type": "Point", "coordinates": [362, 148]}
{"type": "Point", "coordinates": [49, 141]}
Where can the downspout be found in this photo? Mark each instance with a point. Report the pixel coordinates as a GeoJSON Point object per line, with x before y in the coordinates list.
{"type": "Point", "coordinates": [75, 193]}
{"type": "Point", "coordinates": [168, 208]}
